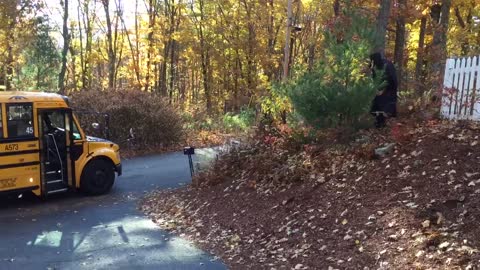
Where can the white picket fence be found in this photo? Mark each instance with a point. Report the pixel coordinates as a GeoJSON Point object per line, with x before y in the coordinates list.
{"type": "Point", "coordinates": [461, 96]}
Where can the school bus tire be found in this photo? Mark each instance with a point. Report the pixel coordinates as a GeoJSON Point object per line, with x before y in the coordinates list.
{"type": "Point", "coordinates": [98, 177]}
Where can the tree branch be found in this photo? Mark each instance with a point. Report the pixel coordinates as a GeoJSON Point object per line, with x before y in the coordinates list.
{"type": "Point", "coordinates": [459, 17]}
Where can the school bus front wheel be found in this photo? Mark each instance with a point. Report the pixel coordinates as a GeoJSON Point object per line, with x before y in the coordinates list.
{"type": "Point", "coordinates": [98, 177]}
{"type": "Point", "coordinates": [43, 148]}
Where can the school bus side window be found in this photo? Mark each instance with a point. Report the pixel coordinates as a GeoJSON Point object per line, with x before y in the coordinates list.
{"type": "Point", "coordinates": [20, 120]}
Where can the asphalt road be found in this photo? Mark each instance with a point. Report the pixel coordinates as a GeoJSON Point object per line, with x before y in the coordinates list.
{"type": "Point", "coordinates": [71, 231]}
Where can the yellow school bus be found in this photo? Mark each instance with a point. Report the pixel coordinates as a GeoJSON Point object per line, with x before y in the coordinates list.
{"type": "Point", "coordinates": [43, 149]}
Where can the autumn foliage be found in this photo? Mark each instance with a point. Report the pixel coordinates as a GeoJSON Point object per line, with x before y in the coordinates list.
{"type": "Point", "coordinates": [330, 204]}
{"type": "Point", "coordinates": [210, 54]}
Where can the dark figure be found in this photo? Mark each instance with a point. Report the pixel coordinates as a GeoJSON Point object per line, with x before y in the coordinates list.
{"type": "Point", "coordinates": [385, 103]}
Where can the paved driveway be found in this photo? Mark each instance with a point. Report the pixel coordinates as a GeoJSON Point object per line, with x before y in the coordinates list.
{"type": "Point", "coordinates": [72, 231]}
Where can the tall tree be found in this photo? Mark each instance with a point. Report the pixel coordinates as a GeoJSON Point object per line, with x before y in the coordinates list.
{"type": "Point", "coordinates": [439, 45]}
{"type": "Point", "coordinates": [286, 61]}
{"type": "Point", "coordinates": [41, 60]}
{"type": "Point", "coordinates": [382, 23]}
{"type": "Point", "coordinates": [10, 43]}
{"type": "Point", "coordinates": [66, 45]}
{"type": "Point", "coordinates": [86, 20]}
{"type": "Point", "coordinates": [152, 17]}
{"type": "Point", "coordinates": [133, 49]}
{"type": "Point", "coordinates": [199, 21]}
{"type": "Point", "coordinates": [17, 20]}
{"type": "Point", "coordinates": [400, 40]}
{"type": "Point", "coordinates": [420, 48]}
{"type": "Point", "coordinates": [112, 38]}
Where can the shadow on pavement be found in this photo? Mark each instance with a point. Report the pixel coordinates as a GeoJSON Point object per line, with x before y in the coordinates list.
{"type": "Point", "coordinates": [73, 231]}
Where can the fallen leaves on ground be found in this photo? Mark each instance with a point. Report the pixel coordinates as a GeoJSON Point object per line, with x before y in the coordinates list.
{"type": "Point", "coordinates": [268, 206]}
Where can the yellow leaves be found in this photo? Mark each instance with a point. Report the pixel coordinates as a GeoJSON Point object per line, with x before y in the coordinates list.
{"type": "Point", "coordinates": [426, 11]}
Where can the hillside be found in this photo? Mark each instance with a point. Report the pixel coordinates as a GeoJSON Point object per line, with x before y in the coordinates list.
{"type": "Point", "coordinates": [271, 206]}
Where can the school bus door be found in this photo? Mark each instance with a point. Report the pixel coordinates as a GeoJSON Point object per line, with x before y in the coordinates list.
{"type": "Point", "coordinates": [55, 140]}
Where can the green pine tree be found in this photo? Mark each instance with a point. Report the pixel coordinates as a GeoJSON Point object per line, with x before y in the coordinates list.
{"type": "Point", "coordinates": [339, 90]}
{"type": "Point", "coordinates": [42, 60]}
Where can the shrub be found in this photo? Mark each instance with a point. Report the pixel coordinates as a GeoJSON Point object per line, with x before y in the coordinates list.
{"type": "Point", "coordinates": [276, 105]}
{"type": "Point", "coordinates": [239, 122]}
{"type": "Point", "coordinates": [338, 91]}
{"type": "Point", "coordinates": [153, 120]}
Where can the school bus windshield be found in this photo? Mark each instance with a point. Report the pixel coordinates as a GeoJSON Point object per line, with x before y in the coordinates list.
{"type": "Point", "coordinates": [56, 121]}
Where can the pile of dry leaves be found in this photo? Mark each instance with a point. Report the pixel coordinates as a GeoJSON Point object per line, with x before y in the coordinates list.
{"type": "Point", "coordinates": [412, 205]}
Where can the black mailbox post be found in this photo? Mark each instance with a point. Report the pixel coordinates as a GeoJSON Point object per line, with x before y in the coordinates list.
{"type": "Point", "coordinates": [189, 151]}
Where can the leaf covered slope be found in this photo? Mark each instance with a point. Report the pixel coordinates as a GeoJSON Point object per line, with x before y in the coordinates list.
{"type": "Point", "coordinates": [268, 206]}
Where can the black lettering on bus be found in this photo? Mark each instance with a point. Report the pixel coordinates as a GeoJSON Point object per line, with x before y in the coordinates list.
{"type": "Point", "coordinates": [11, 147]}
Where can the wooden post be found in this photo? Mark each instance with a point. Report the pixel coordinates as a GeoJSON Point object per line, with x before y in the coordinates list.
{"type": "Point", "coordinates": [286, 61]}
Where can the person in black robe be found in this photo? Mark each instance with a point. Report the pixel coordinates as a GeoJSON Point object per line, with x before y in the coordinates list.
{"type": "Point", "coordinates": [385, 102]}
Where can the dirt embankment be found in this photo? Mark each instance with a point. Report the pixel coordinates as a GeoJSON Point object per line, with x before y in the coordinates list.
{"type": "Point", "coordinates": [324, 207]}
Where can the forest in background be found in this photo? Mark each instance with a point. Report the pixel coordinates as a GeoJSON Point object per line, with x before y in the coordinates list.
{"type": "Point", "coordinates": [216, 56]}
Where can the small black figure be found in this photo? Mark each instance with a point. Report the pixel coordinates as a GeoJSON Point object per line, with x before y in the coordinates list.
{"type": "Point", "coordinates": [385, 103]}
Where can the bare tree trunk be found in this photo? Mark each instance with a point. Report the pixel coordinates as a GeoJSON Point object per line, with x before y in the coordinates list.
{"type": "Point", "coordinates": [151, 23]}
{"type": "Point", "coordinates": [463, 24]}
{"type": "Point", "coordinates": [117, 51]}
{"type": "Point", "coordinates": [10, 13]}
{"type": "Point", "coordinates": [271, 37]}
{"type": "Point", "coordinates": [238, 77]}
{"type": "Point", "coordinates": [400, 41]}
{"type": "Point", "coordinates": [66, 42]}
{"type": "Point", "coordinates": [73, 64]}
{"type": "Point", "coordinates": [110, 46]}
{"type": "Point", "coordinates": [204, 55]}
{"type": "Point", "coordinates": [117, 64]}
{"type": "Point", "coordinates": [286, 62]}
{"type": "Point", "coordinates": [312, 44]}
{"type": "Point", "coordinates": [162, 78]}
{"type": "Point", "coordinates": [421, 49]}
{"type": "Point", "coordinates": [88, 18]}
{"type": "Point", "coordinates": [137, 39]}
{"type": "Point", "coordinates": [439, 46]}
{"type": "Point", "coordinates": [250, 52]}
{"type": "Point", "coordinates": [132, 49]}
{"type": "Point", "coordinates": [382, 22]}
{"type": "Point", "coordinates": [10, 60]}
{"type": "Point", "coordinates": [193, 84]}
{"type": "Point", "coordinates": [172, 69]}
{"type": "Point", "coordinates": [174, 24]}
{"type": "Point", "coordinates": [336, 8]}
{"type": "Point", "coordinates": [82, 56]}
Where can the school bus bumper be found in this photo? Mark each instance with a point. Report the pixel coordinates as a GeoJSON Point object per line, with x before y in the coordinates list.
{"type": "Point", "coordinates": [118, 169]}
{"type": "Point", "coordinates": [18, 190]}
